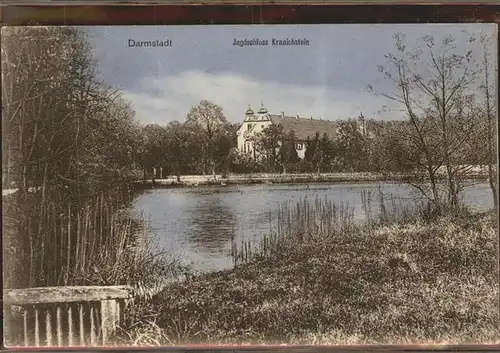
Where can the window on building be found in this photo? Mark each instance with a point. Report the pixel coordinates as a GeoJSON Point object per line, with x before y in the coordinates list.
{"type": "Point", "coordinates": [249, 126]}
{"type": "Point", "coordinates": [299, 146]}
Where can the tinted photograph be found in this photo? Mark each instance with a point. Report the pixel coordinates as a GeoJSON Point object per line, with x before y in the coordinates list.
{"type": "Point", "coordinates": [250, 185]}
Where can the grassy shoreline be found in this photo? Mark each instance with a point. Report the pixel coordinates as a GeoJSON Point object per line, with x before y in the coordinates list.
{"type": "Point", "coordinates": [406, 280]}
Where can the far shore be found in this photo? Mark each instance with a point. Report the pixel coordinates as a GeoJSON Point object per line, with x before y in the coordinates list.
{"type": "Point", "coordinates": [262, 178]}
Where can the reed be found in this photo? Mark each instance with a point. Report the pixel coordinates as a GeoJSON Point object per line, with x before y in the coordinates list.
{"type": "Point", "coordinates": [308, 220]}
{"type": "Point", "coordinates": [65, 240]}
{"type": "Point", "coordinates": [296, 223]}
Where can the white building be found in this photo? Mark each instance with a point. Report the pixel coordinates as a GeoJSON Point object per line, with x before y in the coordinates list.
{"type": "Point", "coordinates": [303, 128]}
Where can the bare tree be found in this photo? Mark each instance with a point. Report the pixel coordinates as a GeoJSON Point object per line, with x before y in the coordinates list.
{"type": "Point", "coordinates": [434, 83]}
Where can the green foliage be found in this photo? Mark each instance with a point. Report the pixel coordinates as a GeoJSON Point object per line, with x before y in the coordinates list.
{"type": "Point", "coordinates": [288, 155]}
{"type": "Point", "coordinates": [181, 149]}
{"type": "Point", "coordinates": [205, 140]}
{"type": "Point", "coordinates": [225, 146]}
{"type": "Point", "coordinates": [268, 145]}
{"type": "Point", "coordinates": [352, 147]}
{"type": "Point", "coordinates": [320, 154]}
{"type": "Point", "coordinates": [328, 147]}
{"type": "Point", "coordinates": [208, 125]}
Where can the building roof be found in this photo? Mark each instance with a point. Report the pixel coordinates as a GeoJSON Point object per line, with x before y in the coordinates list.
{"type": "Point", "coordinates": [304, 127]}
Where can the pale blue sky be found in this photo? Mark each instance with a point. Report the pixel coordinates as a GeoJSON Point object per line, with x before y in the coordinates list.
{"type": "Point", "coordinates": [326, 79]}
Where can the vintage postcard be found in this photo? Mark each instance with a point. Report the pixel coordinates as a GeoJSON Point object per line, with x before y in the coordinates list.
{"type": "Point", "coordinates": [250, 184]}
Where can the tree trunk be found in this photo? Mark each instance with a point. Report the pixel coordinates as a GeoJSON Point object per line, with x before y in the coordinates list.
{"type": "Point", "coordinates": [491, 131]}
{"type": "Point", "coordinates": [432, 180]}
{"type": "Point", "coordinates": [6, 169]}
{"type": "Point", "coordinates": [492, 182]}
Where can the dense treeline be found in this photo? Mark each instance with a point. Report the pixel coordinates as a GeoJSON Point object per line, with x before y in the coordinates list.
{"type": "Point", "coordinates": [178, 149]}
{"type": "Point", "coordinates": [195, 147]}
{"type": "Point", "coordinates": [203, 144]}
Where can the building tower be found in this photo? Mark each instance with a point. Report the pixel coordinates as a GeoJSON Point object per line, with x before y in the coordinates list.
{"type": "Point", "coordinates": [262, 110]}
{"type": "Point", "coordinates": [249, 114]}
{"type": "Point", "coordinates": [362, 124]}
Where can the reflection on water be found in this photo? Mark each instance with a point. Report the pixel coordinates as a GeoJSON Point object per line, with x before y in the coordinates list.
{"type": "Point", "coordinates": [211, 225]}
{"type": "Point", "coordinates": [199, 223]}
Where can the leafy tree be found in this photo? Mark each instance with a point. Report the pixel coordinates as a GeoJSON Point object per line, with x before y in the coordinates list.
{"type": "Point", "coordinates": [268, 144]}
{"type": "Point", "coordinates": [243, 163]}
{"type": "Point", "coordinates": [225, 144]}
{"type": "Point", "coordinates": [311, 146]}
{"type": "Point", "coordinates": [328, 148]}
{"type": "Point", "coordinates": [315, 153]}
{"type": "Point", "coordinates": [393, 150]}
{"type": "Point", "coordinates": [156, 140]}
{"type": "Point", "coordinates": [207, 123]}
{"type": "Point", "coordinates": [65, 127]}
{"type": "Point", "coordinates": [310, 150]}
{"type": "Point", "coordinates": [288, 153]}
{"type": "Point", "coordinates": [182, 149]}
{"type": "Point", "coordinates": [351, 146]}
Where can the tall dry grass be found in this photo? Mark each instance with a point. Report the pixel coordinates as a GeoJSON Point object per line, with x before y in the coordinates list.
{"type": "Point", "coordinates": [309, 220]}
{"type": "Point", "coordinates": [296, 223]}
{"type": "Point", "coordinates": [67, 240]}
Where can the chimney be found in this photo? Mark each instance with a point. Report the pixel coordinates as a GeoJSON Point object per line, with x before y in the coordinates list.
{"type": "Point", "coordinates": [282, 114]}
{"type": "Point", "coordinates": [311, 118]}
{"type": "Point", "coordinates": [297, 116]}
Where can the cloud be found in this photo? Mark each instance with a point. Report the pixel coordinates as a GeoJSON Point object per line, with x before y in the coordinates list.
{"type": "Point", "coordinates": [164, 99]}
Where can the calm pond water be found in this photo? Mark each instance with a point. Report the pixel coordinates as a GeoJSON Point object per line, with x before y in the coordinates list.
{"type": "Point", "coordinates": [199, 223]}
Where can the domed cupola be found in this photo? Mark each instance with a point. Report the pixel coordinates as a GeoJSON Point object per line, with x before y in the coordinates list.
{"type": "Point", "coordinates": [262, 109]}
{"type": "Point", "coordinates": [249, 111]}
{"type": "Point", "coordinates": [249, 114]}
